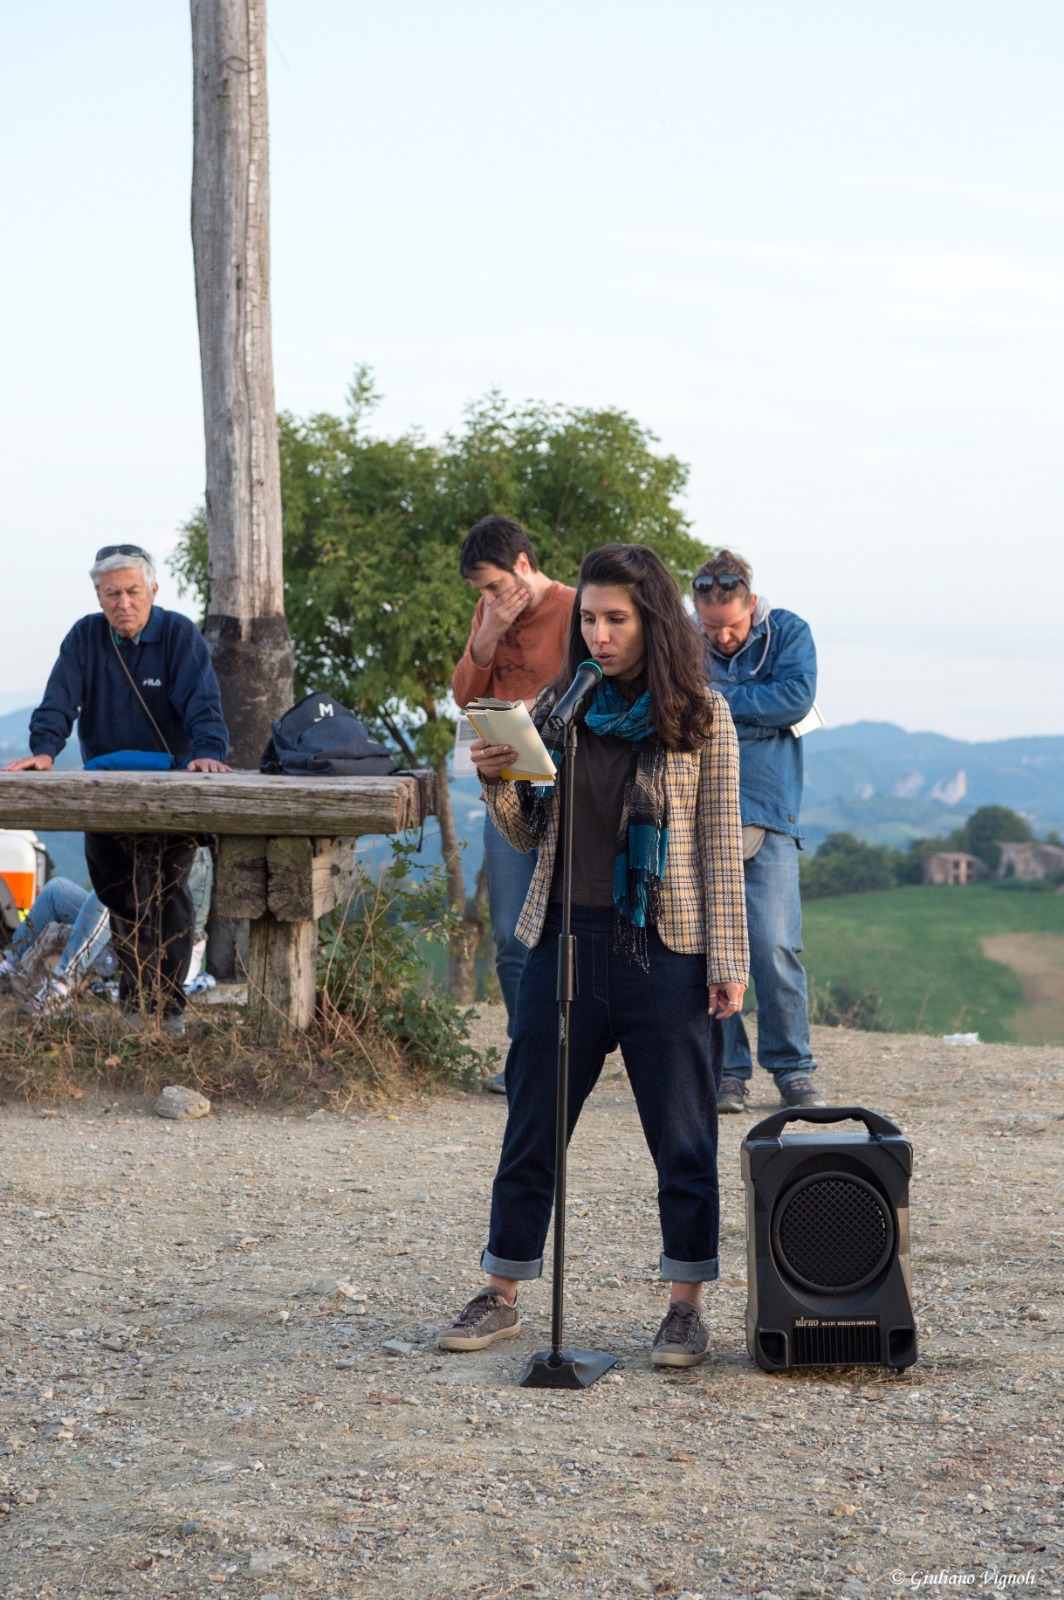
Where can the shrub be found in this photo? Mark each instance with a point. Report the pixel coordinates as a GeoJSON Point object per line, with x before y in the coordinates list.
{"type": "Point", "coordinates": [379, 1007]}
{"type": "Point", "coordinates": [845, 865]}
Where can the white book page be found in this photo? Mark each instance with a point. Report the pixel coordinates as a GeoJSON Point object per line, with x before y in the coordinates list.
{"type": "Point", "coordinates": [809, 722]}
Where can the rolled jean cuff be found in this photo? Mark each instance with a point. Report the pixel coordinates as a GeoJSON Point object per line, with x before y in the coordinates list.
{"type": "Point", "coordinates": [501, 1268]}
{"type": "Point", "coordinates": [682, 1271]}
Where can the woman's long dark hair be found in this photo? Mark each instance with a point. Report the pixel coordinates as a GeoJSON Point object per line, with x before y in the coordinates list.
{"type": "Point", "coordinates": [676, 677]}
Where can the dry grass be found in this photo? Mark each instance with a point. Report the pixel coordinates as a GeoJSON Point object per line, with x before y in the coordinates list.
{"type": "Point", "coordinates": [339, 1062]}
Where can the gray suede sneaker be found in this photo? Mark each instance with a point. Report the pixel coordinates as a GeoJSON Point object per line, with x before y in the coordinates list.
{"type": "Point", "coordinates": [732, 1096]}
{"type": "Point", "coordinates": [682, 1340]}
{"type": "Point", "coordinates": [798, 1092]}
{"type": "Point", "coordinates": [487, 1317]}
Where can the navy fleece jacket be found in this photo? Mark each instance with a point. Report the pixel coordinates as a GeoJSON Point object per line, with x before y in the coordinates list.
{"type": "Point", "coordinates": [171, 667]}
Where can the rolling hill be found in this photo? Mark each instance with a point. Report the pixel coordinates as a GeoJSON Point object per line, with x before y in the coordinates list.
{"type": "Point", "coordinates": [985, 958]}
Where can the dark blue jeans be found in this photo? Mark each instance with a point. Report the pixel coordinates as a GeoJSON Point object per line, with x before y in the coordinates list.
{"type": "Point", "coordinates": [672, 1052]}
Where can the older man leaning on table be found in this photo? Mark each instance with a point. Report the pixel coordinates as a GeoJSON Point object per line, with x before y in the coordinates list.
{"type": "Point", "coordinates": [139, 682]}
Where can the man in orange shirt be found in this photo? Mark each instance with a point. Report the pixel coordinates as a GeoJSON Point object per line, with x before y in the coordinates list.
{"type": "Point", "coordinates": [516, 647]}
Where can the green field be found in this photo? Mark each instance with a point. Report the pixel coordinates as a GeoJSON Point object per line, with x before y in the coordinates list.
{"type": "Point", "coordinates": [911, 961]}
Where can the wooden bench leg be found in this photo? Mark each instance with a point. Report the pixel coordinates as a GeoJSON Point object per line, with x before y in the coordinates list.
{"type": "Point", "coordinates": [282, 966]}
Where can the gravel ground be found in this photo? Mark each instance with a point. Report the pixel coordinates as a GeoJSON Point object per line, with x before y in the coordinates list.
{"type": "Point", "coordinates": [197, 1397]}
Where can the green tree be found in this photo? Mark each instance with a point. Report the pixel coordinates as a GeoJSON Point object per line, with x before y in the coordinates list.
{"type": "Point", "coordinates": [846, 865]}
{"type": "Point", "coordinates": [985, 828]}
{"type": "Point", "coordinates": [372, 527]}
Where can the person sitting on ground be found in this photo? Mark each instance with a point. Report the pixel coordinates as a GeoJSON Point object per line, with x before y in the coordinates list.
{"type": "Point", "coordinates": [66, 917]}
{"type": "Point", "coordinates": [64, 941]}
{"type": "Point", "coordinates": [662, 953]}
{"type": "Point", "coordinates": [136, 678]}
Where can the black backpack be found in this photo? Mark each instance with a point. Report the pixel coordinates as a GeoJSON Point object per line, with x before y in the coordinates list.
{"type": "Point", "coordinates": [320, 738]}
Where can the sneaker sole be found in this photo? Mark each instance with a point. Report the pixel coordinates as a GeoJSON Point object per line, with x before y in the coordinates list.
{"type": "Point", "coordinates": [676, 1358]}
{"type": "Point", "coordinates": [473, 1341]}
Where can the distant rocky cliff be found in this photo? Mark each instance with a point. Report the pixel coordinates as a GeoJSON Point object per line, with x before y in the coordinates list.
{"type": "Point", "coordinates": [888, 786]}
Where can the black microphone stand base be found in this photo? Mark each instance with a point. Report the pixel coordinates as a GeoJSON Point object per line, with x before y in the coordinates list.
{"type": "Point", "coordinates": [568, 1369]}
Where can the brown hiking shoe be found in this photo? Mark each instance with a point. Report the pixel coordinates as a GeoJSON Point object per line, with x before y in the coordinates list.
{"type": "Point", "coordinates": [682, 1340]}
{"type": "Point", "coordinates": [731, 1096]}
{"type": "Point", "coordinates": [798, 1092]}
{"type": "Point", "coordinates": [487, 1317]}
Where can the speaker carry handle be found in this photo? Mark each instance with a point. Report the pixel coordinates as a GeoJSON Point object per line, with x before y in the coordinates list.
{"type": "Point", "coordinates": [772, 1126]}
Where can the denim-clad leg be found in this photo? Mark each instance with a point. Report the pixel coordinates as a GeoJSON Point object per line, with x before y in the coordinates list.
{"type": "Point", "coordinates": [774, 919]}
{"type": "Point", "coordinates": [89, 935]}
{"type": "Point", "coordinates": [672, 1053]}
{"type": "Point", "coordinates": [509, 874]}
{"type": "Point", "coordinates": [59, 901]}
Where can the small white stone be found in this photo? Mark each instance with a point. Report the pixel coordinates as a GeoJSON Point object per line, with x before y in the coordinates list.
{"type": "Point", "coordinates": [261, 1561]}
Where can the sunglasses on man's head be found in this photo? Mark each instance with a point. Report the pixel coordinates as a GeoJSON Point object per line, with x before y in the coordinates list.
{"type": "Point", "coordinates": [121, 550]}
{"type": "Point", "coordinates": [717, 580]}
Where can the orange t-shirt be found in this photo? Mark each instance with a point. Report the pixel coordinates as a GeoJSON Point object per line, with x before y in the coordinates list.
{"type": "Point", "coordinates": [527, 657]}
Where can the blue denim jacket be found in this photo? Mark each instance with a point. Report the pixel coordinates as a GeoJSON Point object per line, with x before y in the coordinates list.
{"type": "Point", "coordinates": [769, 684]}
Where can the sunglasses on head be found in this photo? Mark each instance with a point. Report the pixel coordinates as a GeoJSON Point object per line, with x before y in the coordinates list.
{"type": "Point", "coordinates": [717, 580]}
{"type": "Point", "coordinates": [121, 550]}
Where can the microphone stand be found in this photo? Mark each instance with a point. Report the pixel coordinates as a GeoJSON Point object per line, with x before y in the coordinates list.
{"type": "Point", "coordinates": [557, 1368]}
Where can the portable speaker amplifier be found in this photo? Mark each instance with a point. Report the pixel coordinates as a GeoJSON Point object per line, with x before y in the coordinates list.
{"type": "Point", "coordinates": [827, 1242]}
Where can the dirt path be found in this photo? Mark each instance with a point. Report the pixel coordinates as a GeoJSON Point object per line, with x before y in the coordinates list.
{"type": "Point", "coordinates": [185, 1410]}
{"type": "Point", "coordinates": [1038, 961]}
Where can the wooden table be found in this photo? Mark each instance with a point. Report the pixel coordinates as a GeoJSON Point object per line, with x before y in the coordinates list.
{"type": "Point", "coordinates": [286, 852]}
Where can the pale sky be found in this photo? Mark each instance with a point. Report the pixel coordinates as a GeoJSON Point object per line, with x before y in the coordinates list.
{"type": "Point", "coordinates": [817, 248]}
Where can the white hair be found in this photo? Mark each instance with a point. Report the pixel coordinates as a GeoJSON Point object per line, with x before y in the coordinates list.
{"type": "Point", "coordinates": [119, 563]}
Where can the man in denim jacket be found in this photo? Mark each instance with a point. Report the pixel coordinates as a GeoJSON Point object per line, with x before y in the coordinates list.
{"type": "Point", "coordinates": [763, 661]}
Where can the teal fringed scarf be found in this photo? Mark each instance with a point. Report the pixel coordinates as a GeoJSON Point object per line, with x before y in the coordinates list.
{"type": "Point", "coordinates": [643, 837]}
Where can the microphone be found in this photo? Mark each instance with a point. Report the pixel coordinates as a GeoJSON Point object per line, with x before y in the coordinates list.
{"type": "Point", "coordinates": [574, 703]}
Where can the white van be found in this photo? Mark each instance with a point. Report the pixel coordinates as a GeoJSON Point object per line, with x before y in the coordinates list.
{"type": "Point", "coordinates": [23, 866]}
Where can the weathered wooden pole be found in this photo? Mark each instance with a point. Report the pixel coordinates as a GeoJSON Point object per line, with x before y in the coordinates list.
{"type": "Point", "coordinates": [245, 625]}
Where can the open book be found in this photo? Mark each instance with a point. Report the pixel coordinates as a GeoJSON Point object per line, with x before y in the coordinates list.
{"type": "Point", "coordinates": [503, 722]}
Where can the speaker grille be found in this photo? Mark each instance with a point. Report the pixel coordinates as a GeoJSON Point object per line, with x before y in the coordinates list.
{"type": "Point", "coordinates": [835, 1344]}
{"type": "Point", "coordinates": [833, 1233]}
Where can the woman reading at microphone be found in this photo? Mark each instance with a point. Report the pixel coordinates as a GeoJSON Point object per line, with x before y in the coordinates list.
{"type": "Point", "coordinates": [658, 911]}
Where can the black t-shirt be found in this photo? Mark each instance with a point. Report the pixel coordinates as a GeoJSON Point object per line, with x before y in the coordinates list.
{"type": "Point", "coordinates": [603, 763]}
